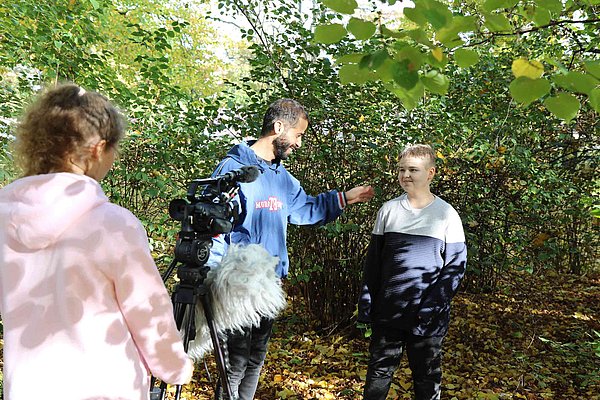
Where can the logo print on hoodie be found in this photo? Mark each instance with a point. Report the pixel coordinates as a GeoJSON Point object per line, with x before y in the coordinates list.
{"type": "Point", "coordinates": [272, 204]}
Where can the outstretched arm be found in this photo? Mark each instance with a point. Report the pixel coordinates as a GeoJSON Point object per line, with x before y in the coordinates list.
{"type": "Point", "coordinates": [359, 194]}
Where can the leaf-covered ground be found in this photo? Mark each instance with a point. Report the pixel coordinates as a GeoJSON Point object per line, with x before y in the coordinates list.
{"type": "Point", "coordinates": [534, 339]}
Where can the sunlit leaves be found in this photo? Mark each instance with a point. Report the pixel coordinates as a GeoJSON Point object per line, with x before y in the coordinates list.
{"type": "Point", "coordinates": [436, 82]}
{"type": "Point", "coordinates": [465, 58]}
{"type": "Point", "coordinates": [491, 5]}
{"type": "Point", "coordinates": [541, 17]}
{"type": "Point", "coordinates": [497, 23]}
{"type": "Point", "coordinates": [577, 82]}
{"type": "Point", "coordinates": [429, 11]}
{"type": "Point", "coordinates": [361, 29]}
{"type": "Point", "coordinates": [553, 6]}
{"type": "Point", "coordinates": [564, 105]}
{"type": "Point", "coordinates": [405, 75]}
{"type": "Point", "coordinates": [449, 34]}
{"type": "Point", "coordinates": [352, 73]}
{"type": "Point", "coordinates": [529, 69]}
{"type": "Point", "coordinates": [595, 99]}
{"type": "Point", "coordinates": [330, 33]}
{"type": "Point", "coordinates": [341, 6]}
{"type": "Point", "coordinates": [593, 67]}
{"type": "Point", "coordinates": [409, 98]}
{"type": "Point", "coordinates": [525, 90]}
{"type": "Point", "coordinates": [404, 51]}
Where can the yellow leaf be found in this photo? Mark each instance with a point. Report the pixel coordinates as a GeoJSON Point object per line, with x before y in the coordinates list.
{"type": "Point", "coordinates": [437, 53]}
{"type": "Point", "coordinates": [277, 378]}
{"type": "Point", "coordinates": [539, 240]}
{"type": "Point", "coordinates": [529, 69]}
{"type": "Point", "coordinates": [440, 155]}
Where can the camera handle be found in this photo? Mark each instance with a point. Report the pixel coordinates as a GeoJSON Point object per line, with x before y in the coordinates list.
{"type": "Point", "coordinates": [184, 298]}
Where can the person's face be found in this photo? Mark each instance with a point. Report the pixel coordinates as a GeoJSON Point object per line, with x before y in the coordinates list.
{"type": "Point", "coordinates": [108, 159]}
{"type": "Point", "coordinates": [415, 174]}
{"type": "Point", "coordinates": [103, 159]}
{"type": "Point", "coordinates": [289, 138]}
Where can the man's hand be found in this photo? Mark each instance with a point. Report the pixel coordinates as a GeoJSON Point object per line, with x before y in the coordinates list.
{"type": "Point", "coordinates": [359, 194]}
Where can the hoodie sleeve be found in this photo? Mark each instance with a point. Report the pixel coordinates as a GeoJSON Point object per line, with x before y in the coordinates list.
{"type": "Point", "coordinates": [313, 210]}
{"type": "Point", "coordinates": [144, 301]}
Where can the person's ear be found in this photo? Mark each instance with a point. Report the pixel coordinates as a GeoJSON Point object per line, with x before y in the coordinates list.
{"type": "Point", "coordinates": [278, 127]}
{"type": "Point", "coordinates": [98, 149]}
{"type": "Point", "coordinates": [431, 173]}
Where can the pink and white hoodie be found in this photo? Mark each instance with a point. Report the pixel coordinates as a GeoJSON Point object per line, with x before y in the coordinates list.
{"type": "Point", "coordinates": [85, 312]}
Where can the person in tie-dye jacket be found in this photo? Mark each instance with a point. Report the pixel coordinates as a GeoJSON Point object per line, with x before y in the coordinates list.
{"type": "Point", "coordinates": [84, 309]}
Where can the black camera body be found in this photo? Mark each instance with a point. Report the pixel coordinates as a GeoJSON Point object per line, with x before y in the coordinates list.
{"type": "Point", "coordinates": [203, 216]}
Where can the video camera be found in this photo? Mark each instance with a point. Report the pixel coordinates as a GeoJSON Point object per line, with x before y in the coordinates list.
{"type": "Point", "coordinates": [210, 213]}
{"type": "Point", "coordinates": [203, 215]}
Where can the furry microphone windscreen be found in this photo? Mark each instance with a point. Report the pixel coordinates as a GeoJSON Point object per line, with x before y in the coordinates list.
{"type": "Point", "coordinates": [244, 288]}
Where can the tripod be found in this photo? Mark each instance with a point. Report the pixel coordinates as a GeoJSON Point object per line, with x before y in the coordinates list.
{"type": "Point", "coordinates": [186, 295]}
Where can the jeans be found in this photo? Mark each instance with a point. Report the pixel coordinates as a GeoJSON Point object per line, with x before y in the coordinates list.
{"type": "Point", "coordinates": [246, 352]}
{"type": "Point", "coordinates": [424, 359]}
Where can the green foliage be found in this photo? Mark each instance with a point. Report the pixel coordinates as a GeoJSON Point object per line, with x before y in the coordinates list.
{"type": "Point", "coordinates": [166, 146]}
{"type": "Point", "coordinates": [439, 29]}
{"type": "Point", "coordinates": [521, 180]}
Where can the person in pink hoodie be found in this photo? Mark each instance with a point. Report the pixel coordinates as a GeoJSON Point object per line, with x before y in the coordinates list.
{"type": "Point", "coordinates": [84, 310]}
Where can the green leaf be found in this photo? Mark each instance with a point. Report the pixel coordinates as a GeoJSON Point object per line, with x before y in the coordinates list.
{"type": "Point", "coordinates": [352, 73]}
{"type": "Point", "coordinates": [415, 15]}
{"type": "Point", "coordinates": [409, 98]}
{"type": "Point", "coordinates": [341, 6]}
{"type": "Point", "coordinates": [491, 5]}
{"type": "Point", "coordinates": [497, 23]}
{"type": "Point", "coordinates": [593, 67]}
{"type": "Point", "coordinates": [385, 31]}
{"type": "Point", "coordinates": [565, 106]}
{"type": "Point", "coordinates": [541, 17]}
{"type": "Point", "coordinates": [328, 34]}
{"type": "Point", "coordinates": [95, 4]}
{"type": "Point", "coordinates": [465, 58]}
{"type": "Point", "coordinates": [429, 11]}
{"type": "Point", "coordinates": [554, 6]}
{"type": "Point", "coordinates": [436, 82]}
{"type": "Point", "coordinates": [420, 36]}
{"type": "Point", "coordinates": [350, 58]}
{"type": "Point", "coordinates": [361, 29]}
{"type": "Point", "coordinates": [405, 51]}
{"type": "Point", "coordinates": [526, 91]}
{"type": "Point", "coordinates": [385, 72]}
{"type": "Point", "coordinates": [576, 82]}
{"type": "Point", "coordinates": [449, 35]}
{"type": "Point", "coordinates": [405, 74]}
{"type": "Point", "coordinates": [595, 100]}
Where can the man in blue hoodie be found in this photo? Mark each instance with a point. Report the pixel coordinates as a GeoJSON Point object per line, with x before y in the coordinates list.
{"type": "Point", "coordinates": [267, 205]}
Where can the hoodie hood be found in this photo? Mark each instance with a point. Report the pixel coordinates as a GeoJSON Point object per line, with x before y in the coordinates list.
{"type": "Point", "coordinates": [36, 210]}
{"type": "Point", "coordinates": [243, 154]}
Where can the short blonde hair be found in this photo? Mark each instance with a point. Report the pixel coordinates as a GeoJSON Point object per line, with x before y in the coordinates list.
{"type": "Point", "coordinates": [419, 150]}
{"type": "Point", "coordinates": [59, 124]}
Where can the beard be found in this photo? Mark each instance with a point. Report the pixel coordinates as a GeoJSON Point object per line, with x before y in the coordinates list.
{"type": "Point", "coordinates": [281, 147]}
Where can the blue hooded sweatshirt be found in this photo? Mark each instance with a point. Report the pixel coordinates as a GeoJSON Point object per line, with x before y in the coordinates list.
{"type": "Point", "coordinates": [268, 204]}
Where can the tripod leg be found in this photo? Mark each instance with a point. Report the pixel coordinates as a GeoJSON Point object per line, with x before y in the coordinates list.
{"type": "Point", "coordinates": [218, 351]}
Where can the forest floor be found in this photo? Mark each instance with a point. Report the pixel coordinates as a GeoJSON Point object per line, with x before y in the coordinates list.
{"type": "Point", "coordinates": [535, 338]}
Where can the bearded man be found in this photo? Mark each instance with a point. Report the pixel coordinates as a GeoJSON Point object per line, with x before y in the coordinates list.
{"type": "Point", "coordinates": [267, 205]}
